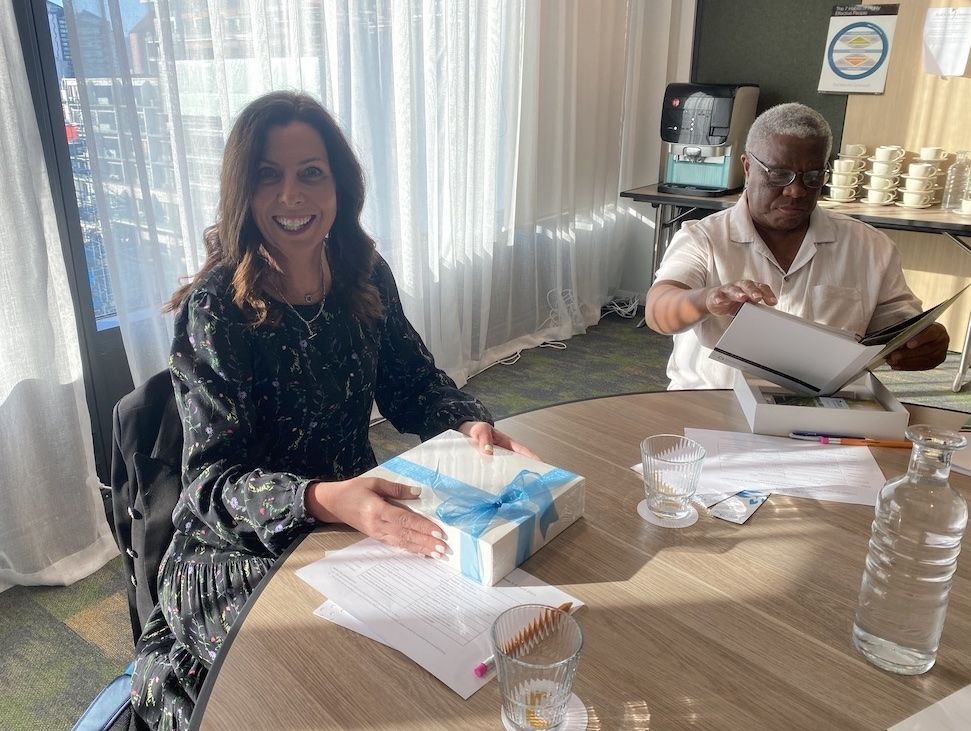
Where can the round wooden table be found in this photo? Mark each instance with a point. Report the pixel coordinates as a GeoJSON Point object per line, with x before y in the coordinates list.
{"type": "Point", "coordinates": [716, 626]}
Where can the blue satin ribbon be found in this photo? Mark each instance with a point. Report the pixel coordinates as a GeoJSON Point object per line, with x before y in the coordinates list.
{"type": "Point", "coordinates": [472, 510]}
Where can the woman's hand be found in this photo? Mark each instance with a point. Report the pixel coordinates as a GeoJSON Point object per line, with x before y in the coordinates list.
{"type": "Point", "coordinates": [361, 503]}
{"type": "Point", "coordinates": [485, 436]}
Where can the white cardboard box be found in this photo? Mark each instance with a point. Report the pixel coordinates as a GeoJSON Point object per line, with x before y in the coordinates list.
{"type": "Point", "coordinates": [459, 491]}
{"type": "Point", "coordinates": [769, 418]}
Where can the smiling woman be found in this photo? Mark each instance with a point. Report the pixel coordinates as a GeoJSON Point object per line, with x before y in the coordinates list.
{"type": "Point", "coordinates": [275, 392]}
{"type": "Point", "coordinates": [284, 172]}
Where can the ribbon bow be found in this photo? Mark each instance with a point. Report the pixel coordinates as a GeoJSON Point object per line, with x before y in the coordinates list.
{"type": "Point", "coordinates": [473, 510]}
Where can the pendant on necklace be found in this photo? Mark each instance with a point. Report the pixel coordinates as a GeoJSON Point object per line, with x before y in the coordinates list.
{"type": "Point", "coordinates": [308, 298]}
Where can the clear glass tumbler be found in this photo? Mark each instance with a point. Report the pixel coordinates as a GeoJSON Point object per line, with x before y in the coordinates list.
{"type": "Point", "coordinates": [672, 469]}
{"type": "Point", "coordinates": [536, 650]}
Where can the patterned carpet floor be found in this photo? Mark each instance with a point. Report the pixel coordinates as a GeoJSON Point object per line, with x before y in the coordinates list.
{"type": "Point", "coordinates": [60, 645]}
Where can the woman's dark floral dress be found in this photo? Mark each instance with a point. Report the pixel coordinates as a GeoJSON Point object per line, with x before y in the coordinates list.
{"type": "Point", "coordinates": [265, 411]}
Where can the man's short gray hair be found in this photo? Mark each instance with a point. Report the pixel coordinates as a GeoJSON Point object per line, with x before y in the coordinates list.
{"type": "Point", "coordinates": [792, 120]}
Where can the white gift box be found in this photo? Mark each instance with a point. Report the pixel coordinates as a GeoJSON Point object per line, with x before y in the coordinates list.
{"type": "Point", "coordinates": [495, 511]}
{"type": "Point", "coordinates": [756, 397]}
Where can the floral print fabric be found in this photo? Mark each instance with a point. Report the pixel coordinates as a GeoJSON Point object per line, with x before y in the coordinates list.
{"type": "Point", "coordinates": [266, 411]}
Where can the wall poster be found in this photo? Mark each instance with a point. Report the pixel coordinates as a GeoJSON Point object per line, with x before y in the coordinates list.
{"type": "Point", "coordinates": [857, 52]}
{"type": "Point", "coordinates": [947, 41]}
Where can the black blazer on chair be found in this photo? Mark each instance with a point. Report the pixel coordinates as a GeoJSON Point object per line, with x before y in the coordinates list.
{"type": "Point", "coordinates": [146, 481]}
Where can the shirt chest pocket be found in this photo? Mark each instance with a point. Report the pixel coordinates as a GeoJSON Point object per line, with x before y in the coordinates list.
{"type": "Point", "coordinates": [840, 307]}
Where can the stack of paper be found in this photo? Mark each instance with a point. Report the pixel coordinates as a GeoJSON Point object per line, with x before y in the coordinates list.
{"type": "Point", "coordinates": [741, 470]}
{"type": "Point", "coordinates": [421, 607]}
{"type": "Point", "coordinates": [740, 461]}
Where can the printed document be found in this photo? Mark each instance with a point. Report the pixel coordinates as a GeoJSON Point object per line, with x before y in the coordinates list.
{"type": "Point", "coordinates": [808, 358]}
{"type": "Point", "coordinates": [422, 607]}
{"type": "Point", "coordinates": [947, 41]}
{"type": "Point", "coordinates": [740, 461]}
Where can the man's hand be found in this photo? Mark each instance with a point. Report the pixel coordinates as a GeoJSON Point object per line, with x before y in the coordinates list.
{"type": "Point", "coordinates": [671, 307]}
{"type": "Point", "coordinates": [922, 352]}
{"type": "Point", "coordinates": [726, 299]}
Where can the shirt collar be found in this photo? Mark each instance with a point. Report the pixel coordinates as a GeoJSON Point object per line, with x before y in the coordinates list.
{"type": "Point", "coordinates": [742, 230]}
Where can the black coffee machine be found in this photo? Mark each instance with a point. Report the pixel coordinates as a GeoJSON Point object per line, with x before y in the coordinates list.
{"type": "Point", "coordinates": [703, 127]}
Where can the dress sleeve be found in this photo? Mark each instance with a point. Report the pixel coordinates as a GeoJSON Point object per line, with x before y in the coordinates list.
{"type": "Point", "coordinates": [225, 483]}
{"type": "Point", "coordinates": [411, 392]}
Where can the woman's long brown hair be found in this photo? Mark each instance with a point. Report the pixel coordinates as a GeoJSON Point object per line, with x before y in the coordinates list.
{"type": "Point", "coordinates": [234, 240]}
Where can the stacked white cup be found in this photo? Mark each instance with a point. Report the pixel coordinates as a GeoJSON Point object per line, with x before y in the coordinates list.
{"type": "Point", "coordinates": [921, 186]}
{"type": "Point", "coordinates": [883, 175]}
{"type": "Point", "coordinates": [844, 181]}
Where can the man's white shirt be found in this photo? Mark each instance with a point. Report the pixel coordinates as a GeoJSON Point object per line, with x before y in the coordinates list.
{"type": "Point", "coordinates": [846, 274]}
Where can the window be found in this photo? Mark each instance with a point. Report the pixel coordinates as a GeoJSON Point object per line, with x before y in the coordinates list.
{"type": "Point", "coordinates": [118, 139]}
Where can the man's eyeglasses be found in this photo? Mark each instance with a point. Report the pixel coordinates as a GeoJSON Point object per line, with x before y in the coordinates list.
{"type": "Point", "coordinates": [779, 178]}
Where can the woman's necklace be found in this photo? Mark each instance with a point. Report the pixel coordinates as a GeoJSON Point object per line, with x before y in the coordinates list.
{"type": "Point", "coordinates": [311, 333]}
{"type": "Point", "coordinates": [308, 297]}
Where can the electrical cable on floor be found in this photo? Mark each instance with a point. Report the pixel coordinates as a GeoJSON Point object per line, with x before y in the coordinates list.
{"type": "Point", "coordinates": [556, 299]}
{"type": "Point", "coordinates": [511, 359]}
{"type": "Point", "coordinates": [623, 307]}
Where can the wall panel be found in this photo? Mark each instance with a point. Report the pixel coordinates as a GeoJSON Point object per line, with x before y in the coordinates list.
{"type": "Point", "coordinates": [919, 109]}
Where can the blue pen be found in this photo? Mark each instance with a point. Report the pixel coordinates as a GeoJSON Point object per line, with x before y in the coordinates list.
{"type": "Point", "coordinates": [811, 436]}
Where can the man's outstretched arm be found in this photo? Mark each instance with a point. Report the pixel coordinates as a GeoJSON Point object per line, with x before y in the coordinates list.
{"type": "Point", "coordinates": [671, 307]}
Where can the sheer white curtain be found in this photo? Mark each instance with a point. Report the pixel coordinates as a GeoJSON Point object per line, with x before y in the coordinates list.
{"type": "Point", "coordinates": [491, 133]}
{"type": "Point", "coordinates": [52, 522]}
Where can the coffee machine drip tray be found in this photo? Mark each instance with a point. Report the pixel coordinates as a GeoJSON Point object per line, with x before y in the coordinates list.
{"type": "Point", "coordinates": [695, 190]}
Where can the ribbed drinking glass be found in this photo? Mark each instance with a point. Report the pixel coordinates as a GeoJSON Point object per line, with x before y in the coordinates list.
{"type": "Point", "coordinates": [672, 468]}
{"type": "Point", "coordinates": [536, 649]}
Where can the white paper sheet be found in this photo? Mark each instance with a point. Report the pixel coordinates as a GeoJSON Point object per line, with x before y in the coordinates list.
{"type": "Point", "coordinates": [423, 608]}
{"type": "Point", "coordinates": [949, 714]}
{"type": "Point", "coordinates": [333, 613]}
{"type": "Point", "coordinates": [739, 461]}
{"type": "Point", "coordinates": [947, 41]}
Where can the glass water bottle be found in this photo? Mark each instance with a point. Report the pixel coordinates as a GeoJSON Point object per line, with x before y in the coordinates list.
{"type": "Point", "coordinates": [957, 184]}
{"type": "Point", "coordinates": [914, 546]}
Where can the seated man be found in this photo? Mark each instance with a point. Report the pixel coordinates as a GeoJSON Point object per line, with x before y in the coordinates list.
{"type": "Point", "coordinates": [776, 247]}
